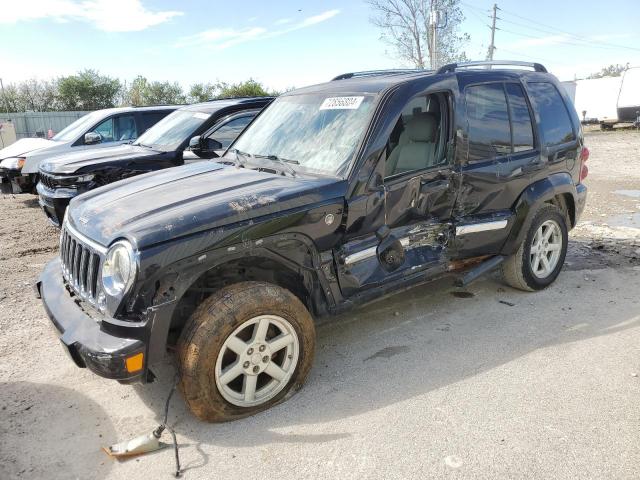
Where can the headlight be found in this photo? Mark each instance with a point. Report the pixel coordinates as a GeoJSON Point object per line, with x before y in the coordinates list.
{"type": "Point", "coordinates": [119, 269]}
{"type": "Point", "coordinates": [84, 178]}
{"type": "Point", "coordinates": [13, 163]}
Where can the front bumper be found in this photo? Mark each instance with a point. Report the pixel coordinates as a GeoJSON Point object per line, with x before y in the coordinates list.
{"type": "Point", "coordinates": [100, 344]}
{"type": "Point", "coordinates": [54, 203]}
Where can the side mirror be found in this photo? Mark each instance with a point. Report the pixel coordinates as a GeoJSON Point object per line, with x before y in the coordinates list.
{"type": "Point", "coordinates": [194, 144]}
{"type": "Point", "coordinates": [91, 138]}
{"type": "Point", "coordinates": [204, 147]}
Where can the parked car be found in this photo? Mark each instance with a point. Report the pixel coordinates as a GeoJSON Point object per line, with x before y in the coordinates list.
{"type": "Point", "coordinates": [336, 195]}
{"type": "Point", "coordinates": [19, 161]}
{"type": "Point", "coordinates": [191, 133]}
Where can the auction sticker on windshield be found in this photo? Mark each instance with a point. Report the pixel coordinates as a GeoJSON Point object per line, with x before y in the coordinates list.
{"type": "Point", "coordinates": [341, 103]}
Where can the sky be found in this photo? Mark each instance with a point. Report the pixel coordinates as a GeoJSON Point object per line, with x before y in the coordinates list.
{"type": "Point", "coordinates": [285, 43]}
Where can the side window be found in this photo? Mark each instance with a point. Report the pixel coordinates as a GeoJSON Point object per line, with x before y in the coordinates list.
{"type": "Point", "coordinates": [555, 123]}
{"type": "Point", "coordinates": [149, 119]}
{"type": "Point", "coordinates": [105, 129]}
{"type": "Point", "coordinates": [520, 118]}
{"type": "Point", "coordinates": [125, 128]}
{"type": "Point", "coordinates": [489, 131]}
{"type": "Point", "coordinates": [228, 132]}
{"type": "Point", "coordinates": [417, 140]}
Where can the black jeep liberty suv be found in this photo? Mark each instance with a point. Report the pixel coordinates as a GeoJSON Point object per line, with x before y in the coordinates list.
{"type": "Point", "coordinates": [334, 195]}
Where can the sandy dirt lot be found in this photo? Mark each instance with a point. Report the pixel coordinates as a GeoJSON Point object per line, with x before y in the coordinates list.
{"type": "Point", "coordinates": [421, 385]}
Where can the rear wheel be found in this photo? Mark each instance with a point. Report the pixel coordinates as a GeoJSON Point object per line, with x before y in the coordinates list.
{"type": "Point", "coordinates": [540, 257]}
{"type": "Point", "coordinates": [246, 348]}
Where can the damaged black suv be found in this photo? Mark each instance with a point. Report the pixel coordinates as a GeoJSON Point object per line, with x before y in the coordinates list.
{"type": "Point", "coordinates": [335, 195]}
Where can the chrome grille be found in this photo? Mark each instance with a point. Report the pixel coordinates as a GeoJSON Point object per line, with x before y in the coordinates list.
{"type": "Point", "coordinates": [80, 259]}
{"type": "Point", "coordinates": [47, 181]}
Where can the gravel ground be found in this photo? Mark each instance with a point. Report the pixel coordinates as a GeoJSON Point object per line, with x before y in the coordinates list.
{"type": "Point", "coordinates": [420, 385]}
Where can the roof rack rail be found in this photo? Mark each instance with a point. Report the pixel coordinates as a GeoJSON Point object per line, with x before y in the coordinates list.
{"type": "Point", "coordinates": [373, 73]}
{"type": "Point", "coordinates": [452, 67]}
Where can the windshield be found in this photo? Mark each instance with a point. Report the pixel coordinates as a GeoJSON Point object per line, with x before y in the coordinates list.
{"type": "Point", "coordinates": [173, 129]}
{"type": "Point", "coordinates": [78, 127]}
{"type": "Point", "coordinates": [317, 132]}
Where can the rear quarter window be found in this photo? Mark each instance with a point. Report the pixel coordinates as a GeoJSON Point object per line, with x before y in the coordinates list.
{"type": "Point", "coordinates": [555, 122]}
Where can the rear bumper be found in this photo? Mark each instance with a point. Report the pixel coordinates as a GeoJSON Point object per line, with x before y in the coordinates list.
{"type": "Point", "coordinates": [100, 344]}
{"type": "Point", "coordinates": [54, 203]}
{"type": "Point", "coordinates": [581, 199]}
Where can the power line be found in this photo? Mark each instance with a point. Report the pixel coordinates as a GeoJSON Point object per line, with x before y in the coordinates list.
{"type": "Point", "coordinates": [591, 41]}
{"type": "Point", "coordinates": [567, 41]}
{"type": "Point", "coordinates": [549, 29]}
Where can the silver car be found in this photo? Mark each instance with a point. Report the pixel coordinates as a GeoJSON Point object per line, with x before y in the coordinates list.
{"type": "Point", "coordinates": [19, 161]}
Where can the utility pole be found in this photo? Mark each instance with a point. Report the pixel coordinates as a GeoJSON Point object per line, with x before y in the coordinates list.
{"type": "Point", "coordinates": [433, 22]}
{"type": "Point", "coordinates": [492, 47]}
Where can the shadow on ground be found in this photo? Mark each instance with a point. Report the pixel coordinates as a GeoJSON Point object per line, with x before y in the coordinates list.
{"type": "Point", "coordinates": [51, 432]}
{"type": "Point", "coordinates": [410, 344]}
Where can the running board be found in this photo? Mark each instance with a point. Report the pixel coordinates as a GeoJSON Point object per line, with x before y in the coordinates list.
{"type": "Point", "coordinates": [479, 270]}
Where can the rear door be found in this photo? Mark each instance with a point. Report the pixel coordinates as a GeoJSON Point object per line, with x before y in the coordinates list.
{"type": "Point", "coordinates": [501, 151]}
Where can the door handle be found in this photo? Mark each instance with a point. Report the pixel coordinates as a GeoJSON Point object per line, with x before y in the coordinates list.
{"type": "Point", "coordinates": [436, 184]}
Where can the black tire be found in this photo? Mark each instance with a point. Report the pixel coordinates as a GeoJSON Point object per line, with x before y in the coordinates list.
{"type": "Point", "coordinates": [212, 324]}
{"type": "Point", "coordinates": [517, 270]}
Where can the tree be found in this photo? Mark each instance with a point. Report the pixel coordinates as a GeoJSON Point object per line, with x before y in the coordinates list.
{"type": "Point", "coordinates": [610, 71]}
{"type": "Point", "coordinates": [405, 26]}
{"type": "Point", "coordinates": [159, 93]}
{"type": "Point", "coordinates": [201, 92]}
{"type": "Point", "coordinates": [142, 92]}
{"type": "Point", "coordinates": [250, 88]}
{"type": "Point", "coordinates": [11, 100]}
{"type": "Point", "coordinates": [88, 90]}
{"type": "Point", "coordinates": [38, 96]}
{"type": "Point", "coordinates": [134, 96]}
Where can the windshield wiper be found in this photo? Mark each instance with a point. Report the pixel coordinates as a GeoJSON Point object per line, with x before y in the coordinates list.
{"type": "Point", "coordinates": [283, 161]}
{"type": "Point", "coordinates": [238, 154]}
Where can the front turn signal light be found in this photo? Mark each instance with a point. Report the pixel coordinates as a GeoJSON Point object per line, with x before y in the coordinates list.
{"type": "Point", "coordinates": [135, 362]}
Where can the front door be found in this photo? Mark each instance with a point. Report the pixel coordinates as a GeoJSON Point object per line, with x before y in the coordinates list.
{"type": "Point", "coordinates": [407, 220]}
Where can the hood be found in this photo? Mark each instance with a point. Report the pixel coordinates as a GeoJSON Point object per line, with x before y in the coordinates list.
{"type": "Point", "coordinates": [164, 205]}
{"type": "Point", "coordinates": [73, 162]}
{"type": "Point", "coordinates": [25, 146]}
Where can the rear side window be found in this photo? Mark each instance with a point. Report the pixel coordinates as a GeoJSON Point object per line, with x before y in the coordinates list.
{"type": "Point", "coordinates": [520, 118]}
{"type": "Point", "coordinates": [149, 119]}
{"type": "Point", "coordinates": [555, 123]}
{"type": "Point", "coordinates": [489, 132]}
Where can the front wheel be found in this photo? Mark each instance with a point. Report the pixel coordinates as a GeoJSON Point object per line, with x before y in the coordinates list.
{"type": "Point", "coordinates": [246, 348]}
{"type": "Point", "coordinates": [540, 257]}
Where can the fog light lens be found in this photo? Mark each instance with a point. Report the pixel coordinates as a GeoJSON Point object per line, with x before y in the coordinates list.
{"type": "Point", "coordinates": [134, 363]}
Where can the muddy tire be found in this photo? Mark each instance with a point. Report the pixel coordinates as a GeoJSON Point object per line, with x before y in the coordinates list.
{"type": "Point", "coordinates": [246, 348]}
{"type": "Point", "coordinates": [540, 257]}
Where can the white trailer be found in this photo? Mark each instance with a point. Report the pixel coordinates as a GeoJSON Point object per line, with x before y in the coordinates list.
{"type": "Point", "coordinates": [596, 100]}
{"type": "Point", "coordinates": [629, 97]}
